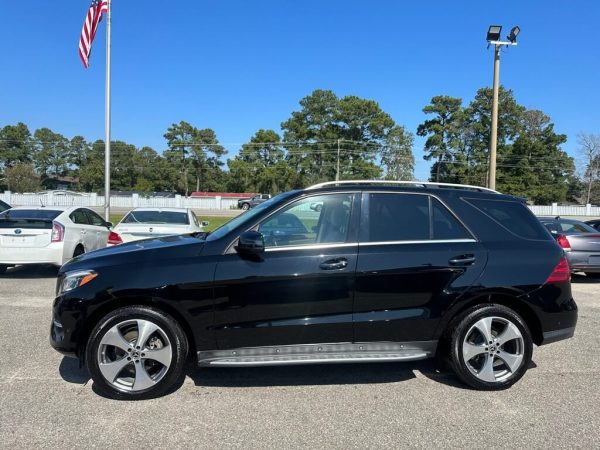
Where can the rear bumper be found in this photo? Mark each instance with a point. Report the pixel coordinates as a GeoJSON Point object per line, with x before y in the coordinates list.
{"type": "Point", "coordinates": [580, 261]}
{"type": "Point", "coordinates": [51, 254]}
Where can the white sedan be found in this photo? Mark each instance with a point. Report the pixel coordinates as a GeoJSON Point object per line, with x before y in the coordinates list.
{"type": "Point", "coordinates": [144, 223]}
{"type": "Point", "coordinates": [49, 234]}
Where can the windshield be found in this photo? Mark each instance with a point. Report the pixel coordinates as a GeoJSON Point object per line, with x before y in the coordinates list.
{"type": "Point", "coordinates": [246, 216]}
{"type": "Point", "coordinates": [28, 218]}
{"type": "Point", "coordinates": [157, 217]}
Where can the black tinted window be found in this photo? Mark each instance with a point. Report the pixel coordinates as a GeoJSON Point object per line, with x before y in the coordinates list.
{"type": "Point", "coordinates": [28, 218]}
{"type": "Point", "coordinates": [398, 217]}
{"type": "Point", "coordinates": [95, 219]}
{"type": "Point", "coordinates": [513, 216]}
{"type": "Point", "coordinates": [78, 216]}
{"type": "Point", "coordinates": [445, 225]}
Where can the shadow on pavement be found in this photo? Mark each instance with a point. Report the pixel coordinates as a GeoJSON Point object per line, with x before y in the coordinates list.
{"type": "Point", "coordinates": [324, 374]}
{"type": "Point", "coordinates": [33, 271]}
{"type": "Point", "coordinates": [71, 372]}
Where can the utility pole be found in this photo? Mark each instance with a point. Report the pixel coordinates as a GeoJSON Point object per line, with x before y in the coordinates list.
{"type": "Point", "coordinates": [493, 38]}
{"type": "Point", "coordinates": [337, 171]}
{"type": "Point", "coordinates": [494, 133]}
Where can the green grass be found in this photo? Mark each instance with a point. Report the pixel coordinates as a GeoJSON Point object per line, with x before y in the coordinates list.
{"type": "Point", "coordinates": [214, 221]}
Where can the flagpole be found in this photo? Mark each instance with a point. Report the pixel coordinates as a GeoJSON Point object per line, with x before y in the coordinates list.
{"type": "Point", "coordinates": [107, 119]}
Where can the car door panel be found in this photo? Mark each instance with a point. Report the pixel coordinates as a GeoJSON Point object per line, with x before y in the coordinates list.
{"type": "Point", "coordinates": [300, 290]}
{"type": "Point", "coordinates": [286, 298]}
{"type": "Point", "coordinates": [415, 259]}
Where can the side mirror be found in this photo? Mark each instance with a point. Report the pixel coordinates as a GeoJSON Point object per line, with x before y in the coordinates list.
{"type": "Point", "coordinates": [108, 224]}
{"type": "Point", "coordinates": [251, 243]}
{"type": "Point", "coordinates": [205, 223]}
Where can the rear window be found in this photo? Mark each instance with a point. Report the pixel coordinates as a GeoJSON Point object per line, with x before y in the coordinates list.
{"type": "Point", "coordinates": [28, 218]}
{"type": "Point", "coordinates": [157, 217]}
{"type": "Point", "coordinates": [576, 227]}
{"type": "Point", "coordinates": [514, 216]}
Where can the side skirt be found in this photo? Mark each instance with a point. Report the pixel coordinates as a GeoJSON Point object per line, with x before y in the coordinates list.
{"type": "Point", "coordinates": [346, 352]}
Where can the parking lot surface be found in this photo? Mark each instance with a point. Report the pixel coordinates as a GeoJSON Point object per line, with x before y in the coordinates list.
{"type": "Point", "coordinates": [48, 401]}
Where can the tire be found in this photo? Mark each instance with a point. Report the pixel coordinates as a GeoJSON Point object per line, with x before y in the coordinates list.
{"type": "Point", "coordinates": [594, 275]}
{"type": "Point", "coordinates": [3, 269]}
{"type": "Point", "coordinates": [79, 250]}
{"type": "Point", "coordinates": [121, 369]}
{"type": "Point", "coordinates": [245, 206]}
{"type": "Point", "coordinates": [486, 366]}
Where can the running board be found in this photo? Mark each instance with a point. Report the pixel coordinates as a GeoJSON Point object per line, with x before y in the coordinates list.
{"type": "Point", "coordinates": [318, 354]}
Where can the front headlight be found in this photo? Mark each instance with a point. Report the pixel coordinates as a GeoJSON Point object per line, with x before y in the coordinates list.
{"type": "Point", "coordinates": [74, 280]}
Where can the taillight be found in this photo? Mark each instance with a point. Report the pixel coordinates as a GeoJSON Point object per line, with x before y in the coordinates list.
{"type": "Point", "coordinates": [561, 273]}
{"type": "Point", "coordinates": [58, 232]}
{"type": "Point", "coordinates": [563, 242]}
{"type": "Point", "coordinates": [114, 238]}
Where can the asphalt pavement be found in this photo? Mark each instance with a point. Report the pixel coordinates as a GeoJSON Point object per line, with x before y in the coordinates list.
{"type": "Point", "coordinates": [47, 401]}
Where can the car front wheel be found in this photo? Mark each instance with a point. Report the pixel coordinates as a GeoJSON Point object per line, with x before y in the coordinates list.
{"type": "Point", "coordinates": [245, 206]}
{"type": "Point", "coordinates": [490, 347]}
{"type": "Point", "coordinates": [136, 353]}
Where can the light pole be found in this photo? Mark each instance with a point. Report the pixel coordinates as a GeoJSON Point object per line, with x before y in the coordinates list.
{"type": "Point", "coordinates": [337, 171]}
{"type": "Point", "coordinates": [493, 38]}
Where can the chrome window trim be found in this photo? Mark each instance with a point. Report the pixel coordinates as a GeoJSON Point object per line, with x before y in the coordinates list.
{"type": "Point", "coordinates": [424, 241]}
{"type": "Point", "coordinates": [312, 247]}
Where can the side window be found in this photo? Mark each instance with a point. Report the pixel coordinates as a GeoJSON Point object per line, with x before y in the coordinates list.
{"type": "Point", "coordinates": [299, 224]}
{"type": "Point", "coordinates": [95, 219]}
{"type": "Point", "coordinates": [445, 225]}
{"type": "Point", "coordinates": [79, 217]}
{"type": "Point", "coordinates": [514, 216]}
{"type": "Point", "coordinates": [398, 217]}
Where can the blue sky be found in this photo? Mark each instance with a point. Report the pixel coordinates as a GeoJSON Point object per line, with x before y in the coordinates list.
{"type": "Point", "coordinates": [239, 65]}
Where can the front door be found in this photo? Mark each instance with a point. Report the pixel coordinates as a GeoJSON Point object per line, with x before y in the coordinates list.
{"type": "Point", "coordinates": [300, 291]}
{"type": "Point", "coordinates": [415, 258]}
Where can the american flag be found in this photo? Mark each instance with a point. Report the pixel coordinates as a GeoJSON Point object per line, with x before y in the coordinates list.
{"type": "Point", "coordinates": [92, 19]}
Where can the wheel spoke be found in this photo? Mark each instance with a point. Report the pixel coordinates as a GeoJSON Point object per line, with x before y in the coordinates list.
{"type": "Point", "coordinates": [470, 351]}
{"type": "Point", "coordinates": [112, 369]}
{"type": "Point", "coordinates": [145, 329]}
{"type": "Point", "coordinates": [485, 328]}
{"type": "Point", "coordinates": [142, 379]}
{"type": "Point", "coordinates": [162, 355]}
{"type": "Point", "coordinates": [510, 332]}
{"type": "Point", "coordinates": [513, 361]}
{"type": "Point", "coordinates": [113, 337]}
{"type": "Point", "coordinates": [487, 371]}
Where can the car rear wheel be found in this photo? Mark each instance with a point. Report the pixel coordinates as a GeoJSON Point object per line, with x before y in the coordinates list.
{"type": "Point", "coordinates": [79, 250]}
{"type": "Point", "coordinates": [3, 269]}
{"type": "Point", "coordinates": [490, 347]}
{"type": "Point", "coordinates": [136, 353]}
{"type": "Point", "coordinates": [594, 275]}
{"type": "Point", "coordinates": [245, 206]}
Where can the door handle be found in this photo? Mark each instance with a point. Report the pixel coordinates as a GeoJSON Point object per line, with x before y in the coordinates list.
{"type": "Point", "coordinates": [333, 264]}
{"type": "Point", "coordinates": [462, 260]}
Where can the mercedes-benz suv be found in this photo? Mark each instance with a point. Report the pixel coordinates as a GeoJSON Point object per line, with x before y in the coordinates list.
{"type": "Point", "coordinates": [383, 271]}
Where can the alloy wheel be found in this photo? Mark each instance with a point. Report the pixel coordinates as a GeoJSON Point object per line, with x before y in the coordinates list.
{"type": "Point", "coordinates": [493, 349]}
{"type": "Point", "coordinates": [134, 355]}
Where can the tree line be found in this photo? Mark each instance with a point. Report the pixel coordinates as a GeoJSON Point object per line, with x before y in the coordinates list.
{"type": "Point", "coordinates": [328, 137]}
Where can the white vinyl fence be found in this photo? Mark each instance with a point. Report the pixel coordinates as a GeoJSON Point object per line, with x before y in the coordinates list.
{"type": "Point", "coordinates": [133, 201]}
{"type": "Point", "coordinates": [216, 203]}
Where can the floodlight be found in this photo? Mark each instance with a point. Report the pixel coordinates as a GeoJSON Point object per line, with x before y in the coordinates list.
{"type": "Point", "coordinates": [493, 33]}
{"type": "Point", "coordinates": [512, 37]}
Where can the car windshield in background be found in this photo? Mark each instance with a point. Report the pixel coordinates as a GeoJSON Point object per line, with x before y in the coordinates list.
{"type": "Point", "coordinates": [157, 217]}
{"type": "Point", "coordinates": [28, 218]}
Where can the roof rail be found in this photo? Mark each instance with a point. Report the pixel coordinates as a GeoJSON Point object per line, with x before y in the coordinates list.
{"type": "Point", "coordinates": [424, 184]}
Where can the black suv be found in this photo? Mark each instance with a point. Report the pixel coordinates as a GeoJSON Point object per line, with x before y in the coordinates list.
{"type": "Point", "coordinates": [381, 272]}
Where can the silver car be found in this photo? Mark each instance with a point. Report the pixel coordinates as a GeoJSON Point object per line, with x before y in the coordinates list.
{"type": "Point", "coordinates": [580, 241]}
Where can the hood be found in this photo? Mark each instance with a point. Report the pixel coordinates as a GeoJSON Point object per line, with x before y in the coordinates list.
{"type": "Point", "coordinates": [158, 249]}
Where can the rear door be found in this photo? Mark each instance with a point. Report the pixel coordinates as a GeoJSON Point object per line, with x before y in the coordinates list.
{"type": "Point", "coordinates": [98, 229]}
{"type": "Point", "coordinates": [82, 231]}
{"type": "Point", "coordinates": [415, 258]}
